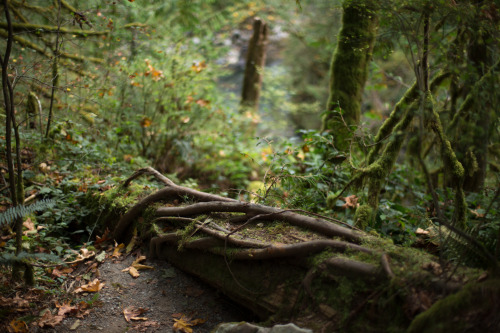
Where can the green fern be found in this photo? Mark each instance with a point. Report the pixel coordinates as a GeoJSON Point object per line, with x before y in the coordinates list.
{"type": "Point", "coordinates": [11, 214]}
{"type": "Point", "coordinates": [8, 259]}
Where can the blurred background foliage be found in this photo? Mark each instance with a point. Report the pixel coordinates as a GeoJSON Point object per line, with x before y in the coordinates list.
{"type": "Point", "coordinates": [161, 86]}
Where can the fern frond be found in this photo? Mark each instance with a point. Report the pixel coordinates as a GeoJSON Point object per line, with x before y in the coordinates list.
{"type": "Point", "coordinates": [11, 214]}
{"type": "Point", "coordinates": [8, 259]}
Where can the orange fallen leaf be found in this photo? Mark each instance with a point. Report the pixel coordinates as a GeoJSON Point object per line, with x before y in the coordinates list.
{"type": "Point", "coordinates": [66, 308]}
{"type": "Point", "coordinates": [91, 287]}
{"type": "Point", "coordinates": [183, 324]}
{"type": "Point", "coordinates": [61, 272]}
{"type": "Point", "coordinates": [133, 313]}
{"type": "Point", "coordinates": [18, 326]}
{"type": "Point", "coordinates": [132, 271]}
{"type": "Point", "coordinates": [117, 250]}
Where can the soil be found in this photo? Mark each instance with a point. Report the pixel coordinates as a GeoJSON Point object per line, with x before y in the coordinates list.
{"type": "Point", "coordinates": [166, 293]}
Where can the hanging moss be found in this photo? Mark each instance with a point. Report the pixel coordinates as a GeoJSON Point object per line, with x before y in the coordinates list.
{"type": "Point", "coordinates": [349, 68]}
{"type": "Point", "coordinates": [408, 100]}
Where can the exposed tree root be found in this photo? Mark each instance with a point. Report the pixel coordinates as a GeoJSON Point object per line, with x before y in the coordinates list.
{"type": "Point", "coordinates": [288, 259]}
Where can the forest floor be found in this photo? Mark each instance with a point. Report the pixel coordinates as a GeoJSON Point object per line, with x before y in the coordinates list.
{"type": "Point", "coordinates": [160, 299]}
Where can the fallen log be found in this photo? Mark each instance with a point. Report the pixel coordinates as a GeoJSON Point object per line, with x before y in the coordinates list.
{"type": "Point", "coordinates": [285, 265]}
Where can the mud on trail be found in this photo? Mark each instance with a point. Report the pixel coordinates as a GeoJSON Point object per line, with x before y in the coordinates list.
{"type": "Point", "coordinates": [167, 296]}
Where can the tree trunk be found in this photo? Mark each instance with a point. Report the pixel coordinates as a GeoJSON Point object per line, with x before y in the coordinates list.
{"type": "Point", "coordinates": [475, 152]}
{"type": "Point", "coordinates": [349, 68]}
{"type": "Point", "coordinates": [255, 62]}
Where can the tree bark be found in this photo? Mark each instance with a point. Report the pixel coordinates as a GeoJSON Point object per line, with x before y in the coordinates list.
{"type": "Point", "coordinates": [255, 62]}
{"type": "Point", "coordinates": [349, 69]}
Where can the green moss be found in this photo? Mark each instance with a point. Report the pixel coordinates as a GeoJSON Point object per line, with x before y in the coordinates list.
{"type": "Point", "coordinates": [363, 216]}
{"type": "Point", "coordinates": [349, 68]}
{"type": "Point", "coordinates": [474, 308]}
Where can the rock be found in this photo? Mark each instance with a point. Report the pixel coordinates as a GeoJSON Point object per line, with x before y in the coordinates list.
{"type": "Point", "coordinates": [245, 327]}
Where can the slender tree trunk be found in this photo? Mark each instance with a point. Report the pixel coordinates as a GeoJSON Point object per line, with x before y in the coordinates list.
{"type": "Point", "coordinates": [475, 152]}
{"type": "Point", "coordinates": [255, 62]}
{"type": "Point", "coordinates": [55, 71]}
{"type": "Point", "coordinates": [349, 68]}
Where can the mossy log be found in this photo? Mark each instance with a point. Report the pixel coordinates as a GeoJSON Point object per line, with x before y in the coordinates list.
{"type": "Point", "coordinates": [285, 265]}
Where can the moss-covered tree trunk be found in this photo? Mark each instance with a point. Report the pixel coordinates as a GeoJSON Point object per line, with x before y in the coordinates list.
{"type": "Point", "coordinates": [473, 148]}
{"type": "Point", "coordinates": [255, 62]}
{"type": "Point", "coordinates": [349, 68]}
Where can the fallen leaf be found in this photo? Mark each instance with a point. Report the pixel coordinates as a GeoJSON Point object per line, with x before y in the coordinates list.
{"type": "Point", "coordinates": [66, 308]}
{"type": "Point", "coordinates": [102, 238]}
{"type": "Point", "coordinates": [18, 326]}
{"type": "Point", "coordinates": [132, 271]}
{"type": "Point", "coordinates": [141, 266]}
{"type": "Point", "coordinates": [183, 324]}
{"type": "Point", "coordinates": [30, 226]}
{"type": "Point", "coordinates": [351, 202]}
{"type": "Point", "coordinates": [91, 287]}
{"type": "Point", "coordinates": [143, 327]}
{"type": "Point", "coordinates": [83, 255]}
{"type": "Point", "coordinates": [49, 320]}
{"type": "Point", "coordinates": [83, 309]}
{"type": "Point", "coordinates": [117, 250]}
{"type": "Point", "coordinates": [101, 256]}
{"type": "Point", "coordinates": [17, 302]}
{"type": "Point", "coordinates": [61, 272]}
{"type": "Point", "coordinates": [75, 325]}
{"type": "Point", "coordinates": [133, 313]}
{"type": "Point", "coordinates": [421, 231]}
{"type": "Point", "coordinates": [136, 264]}
{"type": "Point", "coordinates": [133, 241]}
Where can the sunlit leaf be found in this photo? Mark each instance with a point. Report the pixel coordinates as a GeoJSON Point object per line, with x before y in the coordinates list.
{"type": "Point", "coordinates": [117, 250]}
{"type": "Point", "coordinates": [91, 287]}
{"type": "Point", "coordinates": [197, 67]}
{"type": "Point", "coordinates": [183, 324]}
{"type": "Point", "coordinates": [133, 313]}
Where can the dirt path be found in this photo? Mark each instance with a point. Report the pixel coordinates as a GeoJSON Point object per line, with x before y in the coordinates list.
{"type": "Point", "coordinates": [166, 292]}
